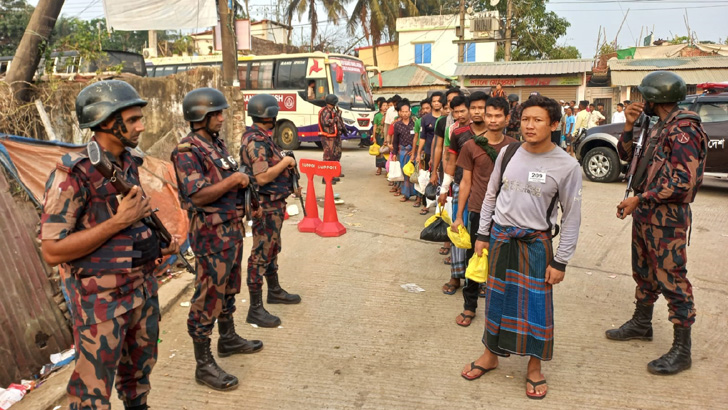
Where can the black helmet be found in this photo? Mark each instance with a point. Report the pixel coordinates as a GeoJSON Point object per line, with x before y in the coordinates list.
{"type": "Point", "coordinates": [513, 97]}
{"type": "Point", "coordinates": [202, 101]}
{"type": "Point", "coordinates": [663, 87]}
{"type": "Point", "coordinates": [331, 99]}
{"type": "Point", "coordinates": [100, 100]}
{"type": "Point", "coordinates": [263, 106]}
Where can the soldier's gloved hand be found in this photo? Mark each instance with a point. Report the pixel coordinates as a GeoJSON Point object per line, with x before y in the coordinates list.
{"type": "Point", "coordinates": [173, 247]}
{"type": "Point", "coordinates": [244, 179]}
{"type": "Point", "coordinates": [133, 207]}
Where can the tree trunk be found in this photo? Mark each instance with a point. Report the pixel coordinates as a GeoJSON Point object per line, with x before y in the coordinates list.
{"type": "Point", "coordinates": [229, 49]}
{"type": "Point", "coordinates": [31, 47]}
{"type": "Point", "coordinates": [509, 32]}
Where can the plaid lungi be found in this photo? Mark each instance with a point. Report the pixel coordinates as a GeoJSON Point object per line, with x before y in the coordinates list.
{"type": "Point", "coordinates": [519, 307]}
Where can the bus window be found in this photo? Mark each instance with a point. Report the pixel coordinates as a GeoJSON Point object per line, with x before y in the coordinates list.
{"type": "Point", "coordinates": [298, 74]}
{"type": "Point", "coordinates": [283, 79]}
{"type": "Point", "coordinates": [254, 70]}
{"type": "Point", "coordinates": [169, 70]}
{"type": "Point", "coordinates": [265, 77]}
{"type": "Point", "coordinates": [183, 68]}
{"type": "Point", "coordinates": [243, 75]}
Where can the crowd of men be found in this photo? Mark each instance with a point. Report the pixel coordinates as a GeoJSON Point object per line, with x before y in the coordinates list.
{"type": "Point", "coordinates": [506, 181]}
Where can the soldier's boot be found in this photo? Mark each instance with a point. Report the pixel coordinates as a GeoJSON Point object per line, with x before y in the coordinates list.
{"type": "Point", "coordinates": [230, 342]}
{"type": "Point", "coordinates": [639, 327]}
{"type": "Point", "coordinates": [678, 358]}
{"type": "Point", "coordinates": [257, 313]}
{"type": "Point", "coordinates": [208, 372]}
{"type": "Point", "coordinates": [276, 294]}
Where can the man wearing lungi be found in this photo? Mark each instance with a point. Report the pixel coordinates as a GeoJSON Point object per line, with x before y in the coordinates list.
{"type": "Point", "coordinates": [517, 218]}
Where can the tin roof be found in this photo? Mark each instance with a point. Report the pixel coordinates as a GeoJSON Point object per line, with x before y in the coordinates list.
{"type": "Point", "coordinates": [694, 70]}
{"type": "Point", "coordinates": [413, 75]}
{"type": "Point", "coordinates": [521, 68]}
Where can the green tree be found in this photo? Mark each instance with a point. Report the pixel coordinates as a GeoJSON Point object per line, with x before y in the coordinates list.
{"type": "Point", "coordinates": [564, 53]}
{"type": "Point", "coordinates": [334, 11]}
{"type": "Point", "coordinates": [378, 19]}
{"type": "Point", "coordinates": [14, 17]}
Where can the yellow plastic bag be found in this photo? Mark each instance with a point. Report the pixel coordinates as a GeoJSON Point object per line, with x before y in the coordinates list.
{"type": "Point", "coordinates": [461, 238]}
{"type": "Point", "coordinates": [477, 270]}
{"type": "Point", "coordinates": [409, 169]}
{"type": "Point", "coordinates": [374, 149]}
{"type": "Point", "coordinates": [441, 213]}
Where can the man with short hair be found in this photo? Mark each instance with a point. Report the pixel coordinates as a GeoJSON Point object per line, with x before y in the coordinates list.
{"type": "Point", "coordinates": [438, 158]}
{"type": "Point", "coordinates": [499, 92]}
{"type": "Point", "coordinates": [595, 117]}
{"type": "Point", "coordinates": [489, 117]}
{"type": "Point", "coordinates": [582, 118]}
{"type": "Point", "coordinates": [110, 252]}
{"type": "Point", "coordinates": [618, 116]}
{"type": "Point", "coordinates": [517, 217]}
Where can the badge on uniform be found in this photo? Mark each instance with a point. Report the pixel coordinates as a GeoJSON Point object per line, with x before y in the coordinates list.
{"type": "Point", "coordinates": [535, 176]}
{"type": "Point", "coordinates": [683, 138]}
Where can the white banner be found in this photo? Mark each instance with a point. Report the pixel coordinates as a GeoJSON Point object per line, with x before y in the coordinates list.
{"type": "Point", "coordinates": [130, 15]}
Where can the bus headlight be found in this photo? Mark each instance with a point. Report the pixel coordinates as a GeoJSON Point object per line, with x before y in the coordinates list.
{"type": "Point", "coordinates": [349, 121]}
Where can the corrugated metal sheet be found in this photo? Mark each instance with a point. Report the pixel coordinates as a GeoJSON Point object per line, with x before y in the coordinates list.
{"type": "Point", "coordinates": [521, 68]}
{"type": "Point", "coordinates": [33, 326]}
{"type": "Point", "coordinates": [677, 63]}
{"type": "Point", "coordinates": [413, 75]}
{"type": "Point", "coordinates": [698, 76]}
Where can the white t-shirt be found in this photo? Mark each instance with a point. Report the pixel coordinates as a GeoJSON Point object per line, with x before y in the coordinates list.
{"type": "Point", "coordinates": [390, 116]}
{"type": "Point", "coordinates": [618, 117]}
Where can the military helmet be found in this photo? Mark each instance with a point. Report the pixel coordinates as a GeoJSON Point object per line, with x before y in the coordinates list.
{"type": "Point", "coordinates": [100, 100]}
{"type": "Point", "coordinates": [513, 97]}
{"type": "Point", "coordinates": [663, 87]}
{"type": "Point", "coordinates": [331, 99]}
{"type": "Point", "coordinates": [263, 106]}
{"type": "Point", "coordinates": [202, 101]}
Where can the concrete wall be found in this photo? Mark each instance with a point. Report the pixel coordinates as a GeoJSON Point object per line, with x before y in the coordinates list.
{"type": "Point", "coordinates": [440, 31]}
{"type": "Point", "coordinates": [387, 56]}
{"type": "Point", "coordinates": [267, 30]}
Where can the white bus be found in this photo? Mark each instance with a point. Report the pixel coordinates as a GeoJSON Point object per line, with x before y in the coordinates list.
{"type": "Point", "coordinates": [287, 77]}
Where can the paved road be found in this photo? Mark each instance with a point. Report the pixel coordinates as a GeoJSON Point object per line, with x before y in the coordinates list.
{"type": "Point", "coordinates": [359, 340]}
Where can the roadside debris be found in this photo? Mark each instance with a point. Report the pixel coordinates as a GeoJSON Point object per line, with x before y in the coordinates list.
{"type": "Point", "coordinates": [412, 288]}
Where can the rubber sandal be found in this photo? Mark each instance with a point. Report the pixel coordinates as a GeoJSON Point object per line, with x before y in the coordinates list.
{"type": "Point", "coordinates": [444, 250]}
{"type": "Point", "coordinates": [416, 205]}
{"type": "Point", "coordinates": [403, 199]}
{"type": "Point", "coordinates": [464, 316]}
{"type": "Point", "coordinates": [447, 261]}
{"type": "Point", "coordinates": [534, 395]}
{"type": "Point", "coordinates": [424, 211]}
{"type": "Point", "coordinates": [474, 366]}
{"type": "Point", "coordinates": [482, 290]}
{"type": "Point", "coordinates": [451, 289]}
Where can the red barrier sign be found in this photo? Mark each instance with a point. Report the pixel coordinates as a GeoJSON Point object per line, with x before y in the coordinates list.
{"type": "Point", "coordinates": [330, 226]}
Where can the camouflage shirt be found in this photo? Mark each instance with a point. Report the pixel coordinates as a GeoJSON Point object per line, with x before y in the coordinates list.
{"type": "Point", "coordinates": [330, 122]}
{"type": "Point", "coordinates": [514, 123]}
{"type": "Point", "coordinates": [674, 171]}
{"type": "Point", "coordinates": [258, 152]}
{"type": "Point", "coordinates": [112, 279]}
{"type": "Point", "coordinates": [200, 163]}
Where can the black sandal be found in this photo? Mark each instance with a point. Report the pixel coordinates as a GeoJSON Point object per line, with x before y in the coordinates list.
{"type": "Point", "coordinates": [464, 316]}
{"type": "Point", "coordinates": [474, 366]}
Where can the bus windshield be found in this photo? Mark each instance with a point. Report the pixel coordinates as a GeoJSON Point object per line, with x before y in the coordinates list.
{"type": "Point", "coordinates": [353, 90]}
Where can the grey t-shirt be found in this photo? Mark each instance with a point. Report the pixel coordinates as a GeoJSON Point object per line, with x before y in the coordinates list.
{"type": "Point", "coordinates": [530, 182]}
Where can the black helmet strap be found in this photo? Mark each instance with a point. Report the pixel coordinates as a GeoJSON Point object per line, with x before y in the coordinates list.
{"type": "Point", "coordinates": [206, 127]}
{"type": "Point", "coordinates": [118, 130]}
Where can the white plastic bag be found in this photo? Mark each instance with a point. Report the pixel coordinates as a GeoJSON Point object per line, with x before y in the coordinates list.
{"type": "Point", "coordinates": [422, 180]}
{"type": "Point", "coordinates": [395, 172]}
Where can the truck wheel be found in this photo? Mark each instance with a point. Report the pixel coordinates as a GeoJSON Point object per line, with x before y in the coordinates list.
{"type": "Point", "coordinates": [287, 136]}
{"type": "Point", "coordinates": [601, 164]}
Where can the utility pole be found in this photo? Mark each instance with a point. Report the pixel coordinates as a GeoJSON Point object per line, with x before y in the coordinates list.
{"type": "Point", "coordinates": [509, 31]}
{"type": "Point", "coordinates": [229, 49]}
{"type": "Point", "coordinates": [31, 46]}
{"type": "Point", "coordinates": [461, 34]}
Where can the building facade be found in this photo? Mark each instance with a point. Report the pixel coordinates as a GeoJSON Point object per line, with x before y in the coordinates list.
{"type": "Point", "coordinates": [387, 55]}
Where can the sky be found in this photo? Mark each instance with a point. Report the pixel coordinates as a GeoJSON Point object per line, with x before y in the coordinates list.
{"type": "Point", "coordinates": [706, 18]}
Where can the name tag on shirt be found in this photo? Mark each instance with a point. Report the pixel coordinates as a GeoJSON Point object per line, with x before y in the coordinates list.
{"type": "Point", "coordinates": [412, 132]}
{"type": "Point", "coordinates": [534, 176]}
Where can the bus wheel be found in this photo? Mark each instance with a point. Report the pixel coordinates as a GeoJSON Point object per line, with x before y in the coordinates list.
{"type": "Point", "coordinates": [287, 136]}
{"type": "Point", "coordinates": [319, 144]}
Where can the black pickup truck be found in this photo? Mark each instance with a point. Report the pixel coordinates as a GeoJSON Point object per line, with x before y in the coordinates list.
{"type": "Point", "coordinates": [597, 150]}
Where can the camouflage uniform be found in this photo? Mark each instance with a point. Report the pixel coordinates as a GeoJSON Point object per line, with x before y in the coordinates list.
{"type": "Point", "coordinates": [513, 129]}
{"type": "Point", "coordinates": [258, 152]}
{"type": "Point", "coordinates": [113, 291]}
{"type": "Point", "coordinates": [672, 175]}
{"type": "Point", "coordinates": [331, 126]}
{"type": "Point", "coordinates": [216, 230]}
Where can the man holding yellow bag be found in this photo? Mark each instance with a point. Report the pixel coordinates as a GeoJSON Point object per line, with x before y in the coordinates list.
{"type": "Point", "coordinates": [489, 117]}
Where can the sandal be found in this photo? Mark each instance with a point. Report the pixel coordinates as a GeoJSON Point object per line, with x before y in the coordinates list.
{"type": "Point", "coordinates": [482, 290]}
{"type": "Point", "coordinates": [465, 317]}
{"type": "Point", "coordinates": [444, 250]}
{"type": "Point", "coordinates": [417, 204]}
{"type": "Point", "coordinates": [403, 199]}
{"type": "Point", "coordinates": [394, 189]}
{"type": "Point", "coordinates": [424, 211]}
{"type": "Point", "coordinates": [379, 172]}
{"type": "Point", "coordinates": [447, 261]}
{"type": "Point", "coordinates": [535, 395]}
{"type": "Point", "coordinates": [451, 289]}
{"type": "Point", "coordinates": [474, 366]}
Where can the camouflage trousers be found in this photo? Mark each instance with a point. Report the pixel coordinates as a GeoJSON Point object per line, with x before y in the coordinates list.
{"type": "Point", "coordinates": [659, 260]}
{"type": "Point", "coordinates": [217, 281]}
{"type": "Point", "coordinates": [332, 148]}
{"type": "Point", "coordinates": [124, 348]}
{"type": "Point", "coordinates": [263, 258]}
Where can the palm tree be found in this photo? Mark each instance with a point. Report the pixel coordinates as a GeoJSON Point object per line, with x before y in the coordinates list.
{"type": "Point", "coordinates": [334, 11]}
{"type": "Point", "coordinates": [378, 18]}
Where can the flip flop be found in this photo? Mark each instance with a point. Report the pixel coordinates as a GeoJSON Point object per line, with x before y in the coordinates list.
{"type": "Point", "coordinates": [534, 395]}
{"type": "Point", "coordinates": [451, 289]}
{"type": "Point", "coordinates": [416, 205]}
{"type": "Point", "coordinates": [482, 290]}
{"type": "Point", "coordinates": [474, 366]}
{"type": "Point", "coordinates": [444, 250]}
{"type": "Point", "coordinates": [447, 261]}
{"type": "Point", "coordinates": [464, 316]}
{"type": "Point", "coordinates": [424, 211]}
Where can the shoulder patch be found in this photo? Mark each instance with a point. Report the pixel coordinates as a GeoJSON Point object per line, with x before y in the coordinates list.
{"type": "Point", "coordinates": [253, 135]}
{"type": "Point", "coordinates": [70, 160]}
{"type": "Point", "coordinates": [184, 147]}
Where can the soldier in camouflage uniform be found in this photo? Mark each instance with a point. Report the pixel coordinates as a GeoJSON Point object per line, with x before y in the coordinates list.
{"type": "Point", "coordinates": [110, 254]}
{"type": "Point", "coordinates": [259, 153]}
{"type": "Point", "coordinates": [331, 126]}
{"type": "Point", "coordinates": [210, 189]}
{"type": "Point", "coordinates": [513, 129]}
{"type": "Point", "coordinates": [668, 176]}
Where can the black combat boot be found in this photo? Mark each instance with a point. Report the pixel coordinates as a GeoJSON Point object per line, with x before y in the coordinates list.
{"type": "Point", "coordinates": [678, 358]}
{"type": "Point", "coordinates": [639, 327]}
{"type": "Point", "coordinates": [208, 372]}
{"type": "Point", "coordinates": [230, 342]}
{"type": "Point", "coordinates": [257, 313]}
{"type": "Point", "coordinates": [276, 294]}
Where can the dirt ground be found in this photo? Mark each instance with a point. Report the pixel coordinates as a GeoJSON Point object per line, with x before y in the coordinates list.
{"type": "Point", "coordinates": [358, 340]}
